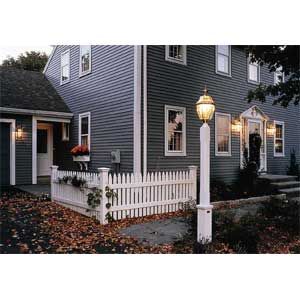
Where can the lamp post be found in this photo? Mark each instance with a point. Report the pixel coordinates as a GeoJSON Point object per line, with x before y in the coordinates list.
{"type": "Point", "coordinates": [205, 108]}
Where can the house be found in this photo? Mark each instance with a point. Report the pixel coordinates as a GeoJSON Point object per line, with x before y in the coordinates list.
{"type": "Point", "coordinates": [33, 122]}
{"type": "Point", "coordinates": [134, 107]}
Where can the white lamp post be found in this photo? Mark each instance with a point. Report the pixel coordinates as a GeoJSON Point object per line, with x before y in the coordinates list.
{"type": "Point", "coordinates": [205, 109]}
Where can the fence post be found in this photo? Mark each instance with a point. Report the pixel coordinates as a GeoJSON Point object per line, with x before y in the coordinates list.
{"type": "Point", "coordinates": [103, 174]}
{"type": "Point", "coordinates": [193, 177]}
{"type": "Point", "coordinates": [53, 177]}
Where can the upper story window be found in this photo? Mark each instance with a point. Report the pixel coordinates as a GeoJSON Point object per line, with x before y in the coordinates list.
{"type": "Point", "coordinates": [176, 53]}
{"type": "Point", "coordinates": [223, 60]}
{"type": "Point", "coordinates": [278, 76]}
{"type": "Point", "coordinates": [253, 72]}
{"type": "Point", "coordinates": [222, 134]}
{"type": "Point", "coordinates": [279, 139]}
{"type": "Point", "coordinates": [85, 63]}
{"type": "Point", "coordinates": [65, 67]}
{"type": "Point", "coordinates": [175, 131]}
{"type": "Point", "coordinates": [85, 129]}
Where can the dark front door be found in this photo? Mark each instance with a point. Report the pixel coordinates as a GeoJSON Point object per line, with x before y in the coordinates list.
{"type": "Point", "coordinates": [4, 154]}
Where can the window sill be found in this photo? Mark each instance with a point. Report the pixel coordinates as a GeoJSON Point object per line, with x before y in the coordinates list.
{"type": "Point", "coordinates": [172, 154]}
{"type": "Point", "coordinates": [64, 82]}
{"type": "Point", "coordinates": [279, 155]}
{"type": "Point", "coordinates": [224, 74]}
{"type": "Point", "coordinates": [253, 82]}
{"type": "Point", "coordinates": [84, 74]}
{"type": "Point", "coordinates": [223, 154]}
{"type": "Point", "coordinates": [176, 61]}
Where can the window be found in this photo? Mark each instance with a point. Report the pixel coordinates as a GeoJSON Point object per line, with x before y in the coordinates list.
{"type": "Point", "coordinates": [65, 131]}
{"type": "Point", "coordinates": [65, 67]}
{"type": "Point", "coordinates": [84, 129]}
{"type": "Point", "coordinates": [223, 60]}
{"type": "Point", "coordinates": [222, 134]}
{"type": "Point", "coordinates": [85, 60]}
{"type": "Point", "coordinates": [175, 131]}
{"type": "Point", "coordinates": [278, 76]}
{"type": "Point", "coordinates": [253, 72]}
{"type": "Point", "coordinates": [279, 139]}
{"type": "Point", "coordinates": [176, 53]}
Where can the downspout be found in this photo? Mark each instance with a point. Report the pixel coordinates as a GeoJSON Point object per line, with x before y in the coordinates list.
{"type": "Point", "coordinates": [137, 109]}
{"type": "Point", "coordinates": [145, 109]}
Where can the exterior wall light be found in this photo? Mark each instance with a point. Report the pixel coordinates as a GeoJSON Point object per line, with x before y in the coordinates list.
{"type": "Point", "coordinates": [270, 129]}
{"type": "Point", "coordinates": [205, 108]}
{"type": "Point", "coordinates": [236, 125]}
{"type": "Point", "coordinates": [19, 133]}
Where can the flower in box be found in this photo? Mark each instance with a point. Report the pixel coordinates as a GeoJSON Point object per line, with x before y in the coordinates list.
{"type": "Point", "coordinates": [80, 150]}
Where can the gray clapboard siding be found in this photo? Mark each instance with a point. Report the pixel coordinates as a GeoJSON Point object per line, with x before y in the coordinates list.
{"type": "Point", "coordinates": [180, 85]}
{"type": "Point", "coordinates": [107, 92]}
{"type": "Point", "coordinates": [23, 148]}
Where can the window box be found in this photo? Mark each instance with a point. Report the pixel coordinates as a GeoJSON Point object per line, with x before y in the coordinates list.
{"type": "Point", "coordinates": [81, 158]}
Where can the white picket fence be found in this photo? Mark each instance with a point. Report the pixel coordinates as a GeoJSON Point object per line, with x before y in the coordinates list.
{"type": "Point", "coordinates": [137, 195]}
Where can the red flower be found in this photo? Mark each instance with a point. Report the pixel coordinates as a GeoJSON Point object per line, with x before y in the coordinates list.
{"type": "Point", "coordinates": [80, 150]}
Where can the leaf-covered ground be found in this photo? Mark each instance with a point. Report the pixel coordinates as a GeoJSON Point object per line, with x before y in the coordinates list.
{"type": "Point", "coordinates": [29, 225]}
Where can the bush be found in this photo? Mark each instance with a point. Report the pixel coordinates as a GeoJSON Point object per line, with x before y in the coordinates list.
{"type": "Point", "coordinates": [220, 190]}
{"type": "Point", "coordinates": [293, 169]}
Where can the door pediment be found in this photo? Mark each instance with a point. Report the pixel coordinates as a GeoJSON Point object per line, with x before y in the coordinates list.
{"type": "Point", "coordinates": [254, 112]}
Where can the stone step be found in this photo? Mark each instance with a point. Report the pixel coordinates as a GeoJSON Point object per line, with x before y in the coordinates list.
{"type": "Point", "coordinates": [285, 184]}
{"type": "Point", "coordinates": [291, 192]}
{"type": "Point", "coordinates": [278, 178]}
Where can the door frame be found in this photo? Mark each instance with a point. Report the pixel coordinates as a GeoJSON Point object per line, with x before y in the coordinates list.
{"type": "Point", "coordinates": [12, 152]}
{"type": "Point", "coordinates": [49, 128]}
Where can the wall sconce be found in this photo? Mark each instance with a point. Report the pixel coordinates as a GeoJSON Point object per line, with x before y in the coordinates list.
{"type": "Point", "coordinates": [19, 133]}
{"type": "Point", "coordinates": [270, 128]}
{"type": "Point", "coordinates": [236, 125]}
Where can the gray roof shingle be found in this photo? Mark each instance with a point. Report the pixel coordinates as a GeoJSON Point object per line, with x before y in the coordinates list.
{"type": "Point", "coordinates": [28, 90]}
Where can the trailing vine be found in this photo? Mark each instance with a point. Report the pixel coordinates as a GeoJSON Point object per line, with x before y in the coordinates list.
{"type": "Point", "coordinates": [75, 181]}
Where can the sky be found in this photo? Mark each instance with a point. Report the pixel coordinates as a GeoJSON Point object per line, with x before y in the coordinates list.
{"type": "Point", "coordinates": [14, 51]}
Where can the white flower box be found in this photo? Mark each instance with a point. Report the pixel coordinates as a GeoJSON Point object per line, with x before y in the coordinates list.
{"type": "Point", "coordinates": [81, 158]}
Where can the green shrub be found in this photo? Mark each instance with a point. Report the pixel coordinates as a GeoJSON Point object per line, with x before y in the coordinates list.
{"type": "Point", "coordinates": [293, 169]}
{"type": "Point", "coordinates": [220, 190]}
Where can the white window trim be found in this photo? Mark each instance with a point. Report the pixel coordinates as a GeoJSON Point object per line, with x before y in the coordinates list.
{"type": "Point", "coordinates": [65, 81]}
{"type": "Point", "coordinates": [81, 74]}
{"type": "Point", "coordinates": [275, 77]}
{"type": "Point", "coordinates": [175, 153]}
{"type": "Point", "coordinates": [283, 139]}
{"type": "Point", "coordinates": [64, 136]}
{"type": "Point", "coordinates": [248, 77]}
{"type": "Point", "coordinates": [84, 115]}
{"type": "Point", "coordinates": [12, 154]}
{"type": "Point", "coordinates": [174, 60]}
{"type": "Point", "coordinates": [229, 60]}
{"type": "Point", "coordinates": [218, 153]}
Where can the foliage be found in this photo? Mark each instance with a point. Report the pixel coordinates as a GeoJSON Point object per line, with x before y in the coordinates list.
{"type": "Point", "coordinates": [285, 214]}
{"type": "Point", "coordinates": [286, 57]}
{"type": "Point", "coordinates": [80, 150]}
{"type": "Point", "coordinates": [220, 191]}
{"type": "Point", "coordinates": [78, 182]}
{"type": "Point", "coordinates": [31, 61]}
{"type": "Point", "coordinates": [293, 169]}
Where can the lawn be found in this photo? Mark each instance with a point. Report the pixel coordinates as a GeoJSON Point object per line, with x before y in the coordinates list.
{"type": "Point", "coordinates": [30, 225]}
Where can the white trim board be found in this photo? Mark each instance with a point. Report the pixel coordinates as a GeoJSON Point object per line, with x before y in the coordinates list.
{"type": "Point", "coordinates": [137, 109]}
{"type": "Point", "coordinates": [12, 153]}
{"type": "Point", "coordinates": [49, 59]}
{"type": "Point", "coordinates": [145, 106]}
{"type": "Point", "coordinates": [45, 113]}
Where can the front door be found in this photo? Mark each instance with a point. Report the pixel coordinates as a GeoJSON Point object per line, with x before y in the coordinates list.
{"type": "Point", "coordinates": [44, 149]}
{"type": "Point", "coordinates": [257, 126]}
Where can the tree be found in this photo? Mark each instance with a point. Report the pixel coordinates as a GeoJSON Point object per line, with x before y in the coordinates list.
{"type": "Point", "coordinates": [31, 61]}
{"type": "Point", "coordinates": [286, 58]}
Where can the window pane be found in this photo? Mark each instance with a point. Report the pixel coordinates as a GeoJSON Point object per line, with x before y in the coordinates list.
{"type": "Point", "coordinates": [176, 52]}
{"type": "Point", "coordinates": [278, 131]}
{"type": "Point", "coordinates": [223, 62]}
{"type": "Point", "coordinates": [175, 133]}
{"type": "Point", "coordinates": [84, 140]}
{"type": "Point", "coordinates": [253, 72]}
{"type": "Point", "coordinates": [223, 125]}
{"type": "Point", "coordinates": [85, 58]}
{"type": "Point", "coordinates": [278, 146]}
{"type": "Point", "coordinates": [65, 73]}
{"type": "Point", "coordinates": [84, 125]}
{"type": "Point", "coordinates": [223, 143]}
{"type": "Point", "coordinates": [223, 49]}
{"type": "Point", "coordinates": [65, 58]}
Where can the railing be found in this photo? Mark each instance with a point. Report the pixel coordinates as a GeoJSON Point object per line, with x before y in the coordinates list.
{"type": "Point", "coordinates": [137, 195]}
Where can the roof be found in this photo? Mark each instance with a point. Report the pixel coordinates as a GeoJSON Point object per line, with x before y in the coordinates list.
{"type": "Point", "coordinates": [30, 90]}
